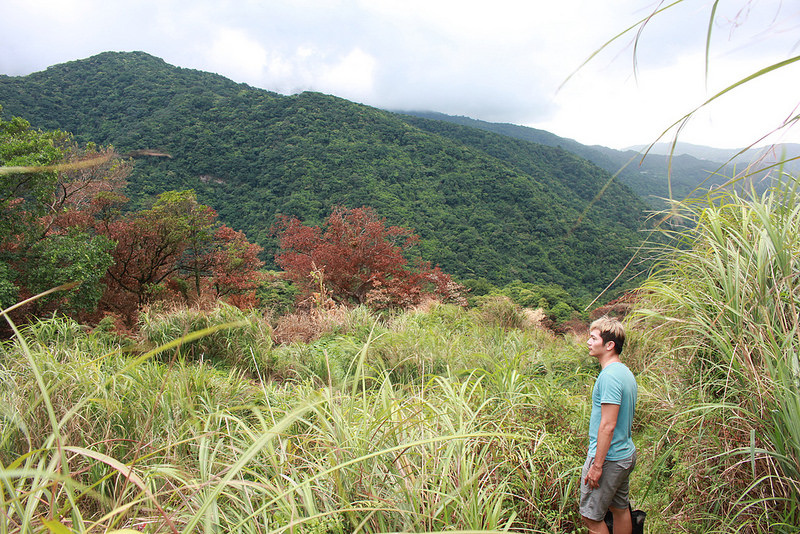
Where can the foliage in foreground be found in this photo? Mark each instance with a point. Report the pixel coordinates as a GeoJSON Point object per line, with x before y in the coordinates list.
{"type": "Point", "coordinates": [99, 435]}
{"type": "Point", "coordinates": [727, 297]}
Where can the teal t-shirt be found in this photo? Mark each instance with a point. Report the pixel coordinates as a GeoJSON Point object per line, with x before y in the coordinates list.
{"type": "Point", "coordinates": [615, 385]}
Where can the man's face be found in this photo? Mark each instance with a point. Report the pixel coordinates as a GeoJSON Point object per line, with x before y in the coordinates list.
{"type": "Point", "coordinates": [595, 343]}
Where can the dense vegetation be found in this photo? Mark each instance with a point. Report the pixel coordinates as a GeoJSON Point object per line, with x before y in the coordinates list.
{"type": "Point", "coordinates": [340, 420]}
{"type": "Point", "coordinates": [654, 177]}
{"type": "Point", "coordinates": [423, 422]}
{"type": "Point", "coordinates": [64, 224]}
{"type": "Point", "coordinates": [726, 296]}
{"type": "Point", "coordinates": [357, 259]}
{"type": "Point", "coordinates": [523, 211]}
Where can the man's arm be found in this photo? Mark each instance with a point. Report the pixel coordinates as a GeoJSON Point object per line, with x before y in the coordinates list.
{"type": "Point", "coordinates": [608, 422]}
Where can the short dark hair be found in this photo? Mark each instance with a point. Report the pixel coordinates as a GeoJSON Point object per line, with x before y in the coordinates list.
{"type": "Point", "coordinates": [610, 330]}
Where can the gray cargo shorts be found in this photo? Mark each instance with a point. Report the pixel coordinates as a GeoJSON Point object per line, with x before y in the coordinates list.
{"type": "Point", "coordinates": [613, 489]}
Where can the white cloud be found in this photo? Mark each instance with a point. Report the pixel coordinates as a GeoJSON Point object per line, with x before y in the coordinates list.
{"type": "Point", "coordinates": [239, 56]}
{"type": "Point", "coordinates": [352, 76]}
{"type": "Point", "coordinates": [499, 61]}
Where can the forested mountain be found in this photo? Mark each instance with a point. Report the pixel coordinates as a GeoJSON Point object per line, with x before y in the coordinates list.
{"type": "Point", "coordinates": [484, 205]}
{"type": "Point", "coordinates": [646, 176]}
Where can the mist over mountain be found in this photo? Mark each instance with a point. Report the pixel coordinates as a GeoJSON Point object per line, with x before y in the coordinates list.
{"type": "Point", "coordinates": [485, 203]}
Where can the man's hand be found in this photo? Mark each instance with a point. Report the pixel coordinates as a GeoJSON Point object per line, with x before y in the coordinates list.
{"type": "Point", "coordinates": [593, 476]}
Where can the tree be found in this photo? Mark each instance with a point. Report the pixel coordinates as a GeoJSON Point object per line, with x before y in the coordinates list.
{"type": "Point", "coordinates": [193, 223]}
{"type": "Point", "coordinates": [22, 186]}
{"type": "Point", "coordinates": [155, 244]}
{"type": "Point", "coordinates": [147, 252]}
{"type": "Point", "coordinates": [28, 177]}
{"type": "Point", "coordinates": [45, 240]}
{"type": "Point", "coordinates": [358, 259]}
{"type": "Point", "coordinates": [63, 258]}
{"type": "Point", "coordinates": [235, 267]}
{"type": "Point", "coordinates": [85, 175]}
{"type": "Point", "coordinates": [176, 245]}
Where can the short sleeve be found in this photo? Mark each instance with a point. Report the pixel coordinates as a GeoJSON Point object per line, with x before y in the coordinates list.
{"type": "Point", "coordinates": [611, 391]}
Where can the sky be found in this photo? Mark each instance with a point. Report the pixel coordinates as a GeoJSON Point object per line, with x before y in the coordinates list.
{"type": "Point", "coordinates": [513, 61]}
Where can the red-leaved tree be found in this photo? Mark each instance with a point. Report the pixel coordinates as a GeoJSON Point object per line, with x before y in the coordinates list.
{"type": "Point", "coordinates": [46, 234]}
{"type": "Point", "coordinates": [235, 265]}
{"type": "Point", "coordinates": [175, 250]}
{"type": "Point", "coordinates": [147, 253]}
{"type": "Point", "coordinates": [357, 258]}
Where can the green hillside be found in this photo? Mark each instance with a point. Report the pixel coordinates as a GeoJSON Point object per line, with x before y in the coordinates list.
{"type": "Point", "coordinates": [484, 205]}
{"type": "Point", "coordinates": [646, 177]}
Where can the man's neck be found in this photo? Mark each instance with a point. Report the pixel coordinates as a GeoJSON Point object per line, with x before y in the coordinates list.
{"type": "Point", "coordinates": [606, 359]}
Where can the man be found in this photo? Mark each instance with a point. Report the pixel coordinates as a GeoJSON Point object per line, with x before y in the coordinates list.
{"type": "Point", "coordinates": [612, 455]}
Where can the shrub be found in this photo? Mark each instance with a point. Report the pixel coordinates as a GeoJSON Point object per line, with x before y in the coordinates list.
{"type": "Point", "coordinates": [230, 336]}
{"type": "Point", "coordinates": [500, 311]}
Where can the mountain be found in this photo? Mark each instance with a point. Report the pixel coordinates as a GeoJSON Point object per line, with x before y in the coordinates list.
{"type": "Point", "coordinates": [792, 150]}
{"type": "Point", "coordinates": [646, 176]}
{"type": "Point", "coordinates": [485, 205]}
{"type": "Point", "coordinates": [759, 157]}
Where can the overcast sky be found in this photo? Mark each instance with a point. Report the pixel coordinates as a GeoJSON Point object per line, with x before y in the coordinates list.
{"type": "Point", "coordinates": [495, 60]}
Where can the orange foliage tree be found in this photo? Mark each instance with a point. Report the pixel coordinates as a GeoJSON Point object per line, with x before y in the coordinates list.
{"type": "Point", "coordinates": [358, 259]}
{"type": "Point", "coordinates": [235, 265]}
{"type": "Point", "coordinates": [177, 247]}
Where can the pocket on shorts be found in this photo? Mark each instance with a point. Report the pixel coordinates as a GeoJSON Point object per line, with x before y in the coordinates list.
{"type": "Point", "coordinates": [629, 462]}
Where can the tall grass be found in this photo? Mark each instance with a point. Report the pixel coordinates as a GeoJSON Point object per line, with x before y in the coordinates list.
{"type": "Point", "coordinates": [244, 339]}
{"type": "Point", "coordinates": [727, 297]}
{"type": "Point", "coordinates": [107, 434]}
